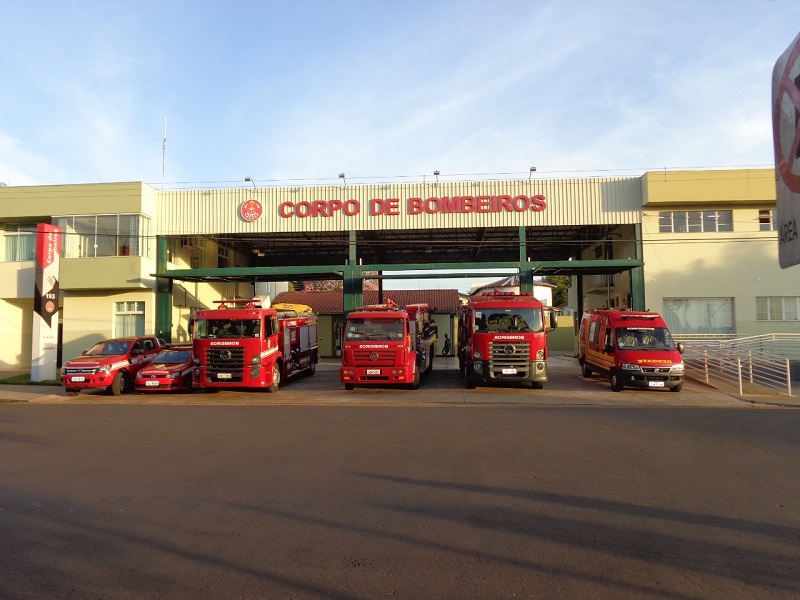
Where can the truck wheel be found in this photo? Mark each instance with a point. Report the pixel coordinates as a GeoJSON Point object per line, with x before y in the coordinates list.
{"type": "Point", "coordinates": [585, 370]}
{"type": "Point", "coordinates": [616, 384]}
{"type": "Point", "coordinates": [677, 388]}
{"type": "Point", "coordinates": [276, 378]}
{"type": "Point", "coordinates": [537, 385]}
{"type": "Point", "coordinates": [349, 386]}
{"type": "Point", "coordinates": [72, 392]}
{"type": "Point", "coordinates": [414, 384]}
{"type": "Point", "coordinates": [120, 384]}
{"type": "Point", "coordinates": [312, 368]}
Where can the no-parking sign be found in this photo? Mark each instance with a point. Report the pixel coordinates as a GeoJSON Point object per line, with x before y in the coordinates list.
{"type": "Point", "coordinates": [786, 137]}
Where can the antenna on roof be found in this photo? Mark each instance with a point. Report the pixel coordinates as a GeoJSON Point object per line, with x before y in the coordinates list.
{"type": "Point", "coordinates": [164, 154]}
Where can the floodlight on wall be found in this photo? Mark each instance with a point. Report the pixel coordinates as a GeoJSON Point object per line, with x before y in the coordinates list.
{"type": "Point", "coordinates": [250, 179]}
{"type": "Point", "coordinates": [532, 171]}
{"type": "Point", "coordinates": [436, 174]}
{"type": "Point", "coordinates": [341, 176]}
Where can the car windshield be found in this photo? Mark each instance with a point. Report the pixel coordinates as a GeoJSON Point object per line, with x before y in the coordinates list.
{"type": "Point", "coordinates": [227, 328]}
{"type": "Point", "coordinates": [108, 348]}
{"type": "Point", "coordinates": [509, 320]}
{"type": "Point", "coordinates": [172, 357]}
{"type": "Point", "coordinates": [374, 329]}
{"type": "Point", "coordinates": [644, 338]}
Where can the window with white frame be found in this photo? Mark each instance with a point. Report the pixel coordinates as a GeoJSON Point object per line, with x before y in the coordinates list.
{"type": "Point", "coordinates": [778, 308]}
{"type": "Point", "coordinates": [104, 235]}
{"type": "Point", "coordinates": [766, 220]}
{"type": "Point", "coordinates": [695, 221]}
{"type": "Point", "coordinates": [17, 242]}
{"type": "Point", "coordinates": [128, 318]}
{"type": "Point", "coordinates": [699, 316]}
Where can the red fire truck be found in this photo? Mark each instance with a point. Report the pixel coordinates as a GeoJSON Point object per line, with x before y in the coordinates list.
{"type": "Point", "coordinates": [248, 344]}
{"type": "Point", "coordinates": [385, 344]}
{"type": "Point", "coordinates": [502, 339]}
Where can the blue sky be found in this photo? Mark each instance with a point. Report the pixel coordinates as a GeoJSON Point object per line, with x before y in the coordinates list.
{"type": "Point", "coordinates": [296, 92]}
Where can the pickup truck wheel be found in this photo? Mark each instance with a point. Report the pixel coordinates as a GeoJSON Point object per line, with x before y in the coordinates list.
{"type": "Point", "coordinates": [120, 384]}
{"type": "Point", "coordinates": [585, 370]}
{"type": "Point", "coordinates": [616, 384]}
{"type": "Point", "coordinates": [537, 385]}
{"type": "Point", "coordinates": [276, 378]}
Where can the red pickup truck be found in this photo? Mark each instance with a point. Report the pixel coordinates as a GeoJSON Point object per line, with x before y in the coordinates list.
{"type": "Point", "coordinates": [111, 365]}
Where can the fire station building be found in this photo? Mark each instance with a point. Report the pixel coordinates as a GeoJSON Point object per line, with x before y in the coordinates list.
{"type": "Point", "coordinates": [700, 247]}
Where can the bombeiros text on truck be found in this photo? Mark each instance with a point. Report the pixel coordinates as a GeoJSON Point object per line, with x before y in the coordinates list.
{"type": "Point", "coordinates": [385, 344]}
{"type": "Point", "coordinates": [632, 348]}
{"type": "Point", "coordinates": [250, 344]}
{"type": "Point", "coordinates": [503, 339]}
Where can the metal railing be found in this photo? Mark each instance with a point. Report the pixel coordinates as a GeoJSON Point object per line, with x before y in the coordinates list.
{"type": "Point", "coordinates": [745, 366]}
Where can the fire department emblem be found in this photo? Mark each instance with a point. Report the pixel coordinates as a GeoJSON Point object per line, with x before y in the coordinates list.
{"type": "Point", "coordinates": [251, 210]}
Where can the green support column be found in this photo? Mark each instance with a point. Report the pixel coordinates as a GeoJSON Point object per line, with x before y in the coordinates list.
{"type": "Point", "coordinates": [525, 269]}
{"type": "Point", "coordinates": [637, 273]}
{"type": "Point", "coordinates": [353, 284]}
{"type": "Point", "coordinates": [163, 292]}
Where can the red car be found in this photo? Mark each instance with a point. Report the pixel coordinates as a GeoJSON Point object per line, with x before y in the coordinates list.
{"type": "Point", "coordinates": [169, 371]}
{"type": "Point", "coordinates": [110, 365]}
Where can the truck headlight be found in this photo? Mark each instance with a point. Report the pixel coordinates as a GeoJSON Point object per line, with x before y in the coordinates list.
{"type": "Point", "coordinates": [255, 360]}
{"type": "Point", "coordinates": [104, 369]}
{"type": "Point", "coordinates": [678, 368]}
{"type": "Point", "coordinates": [63, 371]}
{"type": "Point", "coordinates": [630, 367]}
{"type": "Point", "coordinates": [540, 354]}
{"type": "Point", "coordinates": [478, 355]}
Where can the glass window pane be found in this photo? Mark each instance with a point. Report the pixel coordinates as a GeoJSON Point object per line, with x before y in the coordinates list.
{"type": "Point", "coordinates": [762, 309]}
{"type": "Point", "coordinates": [790, 312]}
{"type": "Point", "coordinates": [724, 220]}
{"type": "Point", "coordinates": [84, 233]}
{"type": "Point", "coordinates": [697, 316]}
{"type": "Point", "coordinates": [695, 221]}
{"type": "Point", "coordinates": [665, 222]}
{"type": "Point", "coordinates": [107, 236]}
{"type": "Point", "coordinates": [776, 309]}
{"type": "Point", "coordinates": [679, 222]}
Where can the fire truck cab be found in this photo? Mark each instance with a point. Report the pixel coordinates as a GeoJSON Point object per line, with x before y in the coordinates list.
{"type": "Point", "coordinates": [503, 339]}
{"type": "Point", "coordinates": [250, 344]}
{"type": "Point", "coordinates": [385, 344]}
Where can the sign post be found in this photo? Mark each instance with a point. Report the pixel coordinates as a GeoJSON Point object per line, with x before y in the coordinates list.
{"type": "Point", "coordinates": [44, 346]}
{"type": "Point", "coordinates": [786, 139]}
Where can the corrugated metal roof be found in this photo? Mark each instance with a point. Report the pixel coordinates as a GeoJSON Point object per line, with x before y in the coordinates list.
{"type": "Point", "coordinates": [331, 302]}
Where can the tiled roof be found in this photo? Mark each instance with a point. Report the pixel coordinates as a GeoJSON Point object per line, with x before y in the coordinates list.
{"type": "Point", "coordinates": [331, 303]}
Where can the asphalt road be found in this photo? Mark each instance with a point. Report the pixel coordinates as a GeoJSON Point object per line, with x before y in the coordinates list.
{"type": "Point", "coordinates": [364, 501]}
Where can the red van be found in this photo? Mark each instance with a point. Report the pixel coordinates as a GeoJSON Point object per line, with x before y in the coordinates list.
{"type": "Point", "coordinates": [632, 348]}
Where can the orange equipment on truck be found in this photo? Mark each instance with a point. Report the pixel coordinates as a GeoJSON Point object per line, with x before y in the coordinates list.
{"type": "Point", "coordinates": [248, 344]}
{"type": "Point", "coordinates": [503, 339]}
{"type": "Point", "coordinates": [632, 348]}
{"type": "Point", "coordinates": [385, 344]}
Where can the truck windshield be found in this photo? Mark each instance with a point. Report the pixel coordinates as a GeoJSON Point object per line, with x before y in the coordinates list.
{"type": "Point", "coordinates": [227, 328]}
{"type": "Point", "coordinates": [526, 320]}
{"type": "Point", "coordinates": [644, 338]}
{"type": "Point", "coordinates": [374, 329]}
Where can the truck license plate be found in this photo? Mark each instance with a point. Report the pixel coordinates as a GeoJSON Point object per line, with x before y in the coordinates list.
{"type": "Point", "coordinates": [151, 383]}
{"type": "Point", "coordinates": [76, 379]}
{"type": "Point", "coordinates": [223, 375]}
{"type": "Point", "coordinates": [373, 371]}
{"type": "Point", "coordinates": [509, 371]}
{"type": "Point", "coordinates": [656, 383]}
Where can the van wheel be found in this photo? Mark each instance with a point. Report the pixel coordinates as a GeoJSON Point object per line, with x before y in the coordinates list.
{"type": "Point", "coordinates": [276, 378]}
{"type": "Point", "coordinates": [120, 384]}
{"type": "Point", "coordinates": [616, 384]}
{"type": "Point", "coordinates": [585, 370]}
{"type": "Point", "coordinates": [677, 388]}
